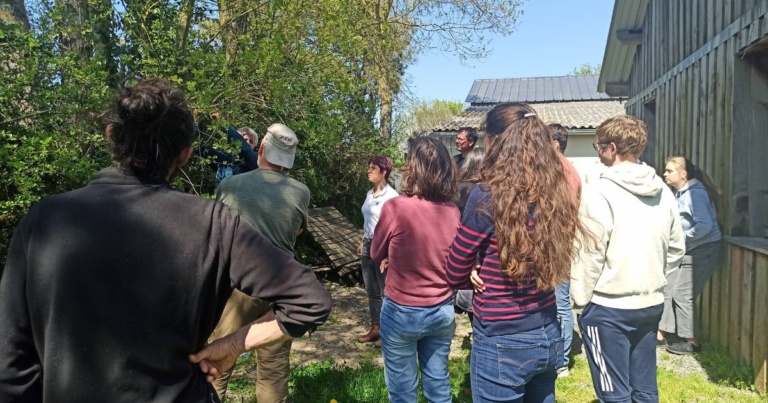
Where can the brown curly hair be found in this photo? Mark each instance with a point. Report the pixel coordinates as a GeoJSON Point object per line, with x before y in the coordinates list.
{"type": "Point", "coordinates": [524, 172]}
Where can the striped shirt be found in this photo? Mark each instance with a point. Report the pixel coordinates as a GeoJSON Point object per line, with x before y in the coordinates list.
{"type": "Point", "coordinates": [507, 305]}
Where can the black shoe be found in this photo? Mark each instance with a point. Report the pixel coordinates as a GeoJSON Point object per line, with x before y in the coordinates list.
{"type": "Point", "coordinates": [684, 348]}
{"type": "Point", "coordinates": [661, 343]}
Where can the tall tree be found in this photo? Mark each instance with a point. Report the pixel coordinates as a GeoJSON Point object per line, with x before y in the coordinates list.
{"type": "Point", "coordinates": [14, 12]}
{"type": "Point", "coordinates": [408, 28]}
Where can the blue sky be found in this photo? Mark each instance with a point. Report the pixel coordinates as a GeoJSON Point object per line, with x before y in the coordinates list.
{"type": "Point", "coordinates": [552, 38]}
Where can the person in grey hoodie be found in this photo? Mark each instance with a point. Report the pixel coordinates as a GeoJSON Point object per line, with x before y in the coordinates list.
{"type": "Point", "coordinates": [696, 195]}
{"type": "Point", "coordinates": [620, 281]}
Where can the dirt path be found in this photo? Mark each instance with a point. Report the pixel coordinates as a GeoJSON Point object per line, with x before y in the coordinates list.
{"type": "Point", "coordinates": [336, 340]}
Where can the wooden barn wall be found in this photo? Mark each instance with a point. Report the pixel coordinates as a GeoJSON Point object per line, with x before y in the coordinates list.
{"type": "Point", "coordinates": [690, 80]}
{"type": "Point", "coordinates": [682, 83]}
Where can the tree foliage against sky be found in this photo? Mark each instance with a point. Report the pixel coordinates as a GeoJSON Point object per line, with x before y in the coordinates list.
{"type": "Point", "coordinates": [329, 69]}
{"type": "Point", "coordinates": [586, 69]}
{"type": "Point", "coordinates": [420, 118]}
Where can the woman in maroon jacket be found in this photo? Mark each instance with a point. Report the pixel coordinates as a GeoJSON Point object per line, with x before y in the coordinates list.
{"type": "Point", "coordinates": [414, 233]}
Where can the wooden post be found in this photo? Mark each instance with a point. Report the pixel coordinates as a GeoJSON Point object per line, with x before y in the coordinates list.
{"type": "Point", "coordinates": [760, 320]}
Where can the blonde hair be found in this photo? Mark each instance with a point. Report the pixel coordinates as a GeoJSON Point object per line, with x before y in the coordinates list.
{"type": "Point", "coordinates": [629, 133]}
{"type": "Point", "coordinates": [684, 166]}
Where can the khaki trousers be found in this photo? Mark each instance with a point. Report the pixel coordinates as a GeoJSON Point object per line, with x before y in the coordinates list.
{"type": "Point", "coordinates": [273, 361]}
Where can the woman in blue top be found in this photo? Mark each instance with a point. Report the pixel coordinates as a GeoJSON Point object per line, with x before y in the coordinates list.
{"type": "Point", "coordinates": [696, 198]}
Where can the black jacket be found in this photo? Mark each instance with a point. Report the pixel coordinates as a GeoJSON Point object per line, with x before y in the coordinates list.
{"type": "Point", "coordinates": [108, 288]}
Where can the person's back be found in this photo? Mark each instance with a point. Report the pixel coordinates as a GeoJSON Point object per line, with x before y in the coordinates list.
{"type": "Point", "coordinates": [641, 211]}
{"type": "Point", "coordinates": [277, 206]}
{"type": "Point", "coordinates": [109, 291]}
{"type": "Point", "coordinates": [633, 219]}
{"type": "Point", "coordinates": [108, 324]}
{"type": "Point", "coordinates": [415, 233]}
{"type": "Point", "coordinates": [272, 201]}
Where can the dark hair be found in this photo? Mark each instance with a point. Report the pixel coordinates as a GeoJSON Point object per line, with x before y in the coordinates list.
{"type": "Point", "coordinates": [470, 168]}
{"type": "Point", "coordinates": [471, 134]}
{"type": "Point", "coordinates": [559, 134]}
{"type": "Point", "coordinates": [430, 172]}
{"type": "Point", "coordinates": [149, 126]}
{"type": "Point", "coordinates": [526, 176]}
{"type": "Point", "coordinates": [384, 164]}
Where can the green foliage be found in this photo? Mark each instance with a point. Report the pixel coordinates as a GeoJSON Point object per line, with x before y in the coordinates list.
{"type": "Point", "coordinates": [420, 117]}
{"type": "Point", "coordinates": [325, 68]}
{"type": "Point", "coordinates": [298, 65]}
{"type": "Point", "coordinates": [586, 69]}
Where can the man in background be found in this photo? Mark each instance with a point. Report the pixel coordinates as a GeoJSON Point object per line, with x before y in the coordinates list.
{"type": "Point", "coordinates": [562, 292]}
{"type": "Point", "coordinates": [229, 164]}
{"type": "Point", "coordinates": [465, 142]}
{"type": "Point", "coordinates": [276, 205]}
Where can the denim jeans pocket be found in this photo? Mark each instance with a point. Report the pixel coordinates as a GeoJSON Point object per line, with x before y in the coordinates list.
{"type": "Point", "coordinates": [390, 317]}
{"type": "Point", "coordinates": [518, 363]}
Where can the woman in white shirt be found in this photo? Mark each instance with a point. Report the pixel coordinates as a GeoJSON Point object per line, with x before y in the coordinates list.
{"type": "Point", "coordinates": [379, 169]}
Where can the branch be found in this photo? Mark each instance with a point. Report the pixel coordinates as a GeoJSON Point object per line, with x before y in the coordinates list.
{"type": "Point", "coordinates": [25, 116]}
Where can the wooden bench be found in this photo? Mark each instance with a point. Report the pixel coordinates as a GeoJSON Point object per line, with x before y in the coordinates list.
{"type": "Point", "coordinates": [338, 238]}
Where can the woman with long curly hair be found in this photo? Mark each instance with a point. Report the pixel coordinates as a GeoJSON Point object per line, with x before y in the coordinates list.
{"type": "Point", "coordinates": [521, 222]}
{"type": "Point", "coordinates": [413, 235]}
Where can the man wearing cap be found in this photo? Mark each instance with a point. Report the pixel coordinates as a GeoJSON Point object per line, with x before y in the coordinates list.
{"type": "Point", "coordinates": [276, 204]}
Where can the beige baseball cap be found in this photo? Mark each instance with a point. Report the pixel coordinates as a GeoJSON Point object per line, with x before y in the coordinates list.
{"type": "Point", "coordinates": [280, 145]}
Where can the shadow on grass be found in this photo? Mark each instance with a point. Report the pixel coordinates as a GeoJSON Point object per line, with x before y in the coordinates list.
{"type": "Point", "coordinates": [723, 370]}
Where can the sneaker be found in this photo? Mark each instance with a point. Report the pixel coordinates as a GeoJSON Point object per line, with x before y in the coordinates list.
{"type": "Point", "coordinates": [563, 372]}
{"type": "Point", "coordinates": [684, 348]}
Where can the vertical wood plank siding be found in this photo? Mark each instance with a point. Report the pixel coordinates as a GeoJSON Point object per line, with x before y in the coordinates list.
{"type": "Point", "coordinates": [686, 64]}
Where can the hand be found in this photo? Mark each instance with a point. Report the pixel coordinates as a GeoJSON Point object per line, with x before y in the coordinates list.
{"type": "Point", "coordinates": [477, 283]}
{"type": "Point", "coordinates": [360, 250]}
{"type": "Point", "coordinates": [384, 265]}
{"type": "Point", "coordinates": [216, 358]}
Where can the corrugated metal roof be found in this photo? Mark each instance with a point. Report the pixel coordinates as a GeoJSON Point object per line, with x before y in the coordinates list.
{"type": "Point", "coordinates": [572, 115]}
{"type": "Point", "coordinates": [535, 89]}
{"type": "Point", "coordinates": [618, 57]}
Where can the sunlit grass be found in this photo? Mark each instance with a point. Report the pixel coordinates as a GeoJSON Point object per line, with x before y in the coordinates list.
{"type": "Point", "coordinates": [323, 382]}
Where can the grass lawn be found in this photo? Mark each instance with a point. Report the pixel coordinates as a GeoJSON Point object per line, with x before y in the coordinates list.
{"type": "Point", "coordinates": [326, 382]}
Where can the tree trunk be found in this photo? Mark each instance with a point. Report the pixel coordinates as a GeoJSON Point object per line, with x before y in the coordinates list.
{"type": "Point", "coordinates": [233, 20]}
{"type": "Point", "coordinates": [385, 107]}
{"type": "Point", "coordinates": [14, 12]}
{"type": "Point", "coordinates": [75, 17]}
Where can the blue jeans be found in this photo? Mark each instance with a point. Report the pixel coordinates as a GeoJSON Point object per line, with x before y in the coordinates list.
{"type": "Point", "coordinates": [409, 332]}
{"type": "Point", "coordinates": [565, 316]}
{"type": "Point", "coordinates": [516, 367]}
